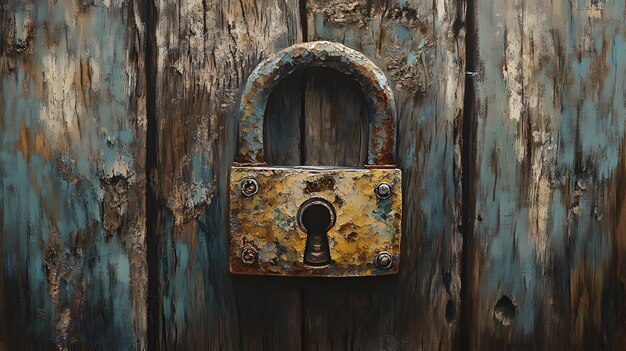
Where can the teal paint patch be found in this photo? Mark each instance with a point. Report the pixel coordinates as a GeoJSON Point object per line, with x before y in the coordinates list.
{"type": "Point", "coordinates": [126, 136]}
{"type": "Point", "coordinates": [411, 57]}
{"type": "Point", "coordinates": [582, 68]}
{"type": "Point", "coordinates": [174, 264]}
{"type": "Point", "coordinates": [402, 32]}
{"type": "Point", "coordinates": [182, 257]}
{"type": "Point", "coordinates": [202, 179]}
{"type": "Point", "coordinates": [383, 210]}
{"type": "Point", "coordinates": [421, 43]}
{"type": "Point", "coordinates": [320, 27]}
{"type": "Point", "coordinates": [123, 270]}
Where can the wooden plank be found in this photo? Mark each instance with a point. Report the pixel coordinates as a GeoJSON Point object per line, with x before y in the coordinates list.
{"type": "Point", "coordinates": [618, 200]}
{"type": "Point", "coordinates": [204, 52]}
{"type": "Point", "coordinates": [72, 180]}
{"type": "Point", "coordinates": [550, 118]}
{"type": "Point", "coordinates": [420, 46]}
{"type": "Point", "coordinates": [335, 120]}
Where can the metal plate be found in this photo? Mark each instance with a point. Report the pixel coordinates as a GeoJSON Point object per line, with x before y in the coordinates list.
{"type": "Point", "coordinates": [266, 222]}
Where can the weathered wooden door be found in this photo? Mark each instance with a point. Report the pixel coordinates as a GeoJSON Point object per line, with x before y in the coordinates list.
{"type": "Point", "coordinates": [118, 131]}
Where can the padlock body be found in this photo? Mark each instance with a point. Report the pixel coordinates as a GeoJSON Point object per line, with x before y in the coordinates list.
{"type": "Point", "coordinates": [365, 224]}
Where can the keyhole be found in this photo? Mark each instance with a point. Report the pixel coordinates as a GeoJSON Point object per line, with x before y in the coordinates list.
{"type": "Point", "coordinates": [316, 217]}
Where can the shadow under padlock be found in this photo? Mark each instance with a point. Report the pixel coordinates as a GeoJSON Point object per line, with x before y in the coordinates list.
{"type": "Point", "coordinates": [316, 221]}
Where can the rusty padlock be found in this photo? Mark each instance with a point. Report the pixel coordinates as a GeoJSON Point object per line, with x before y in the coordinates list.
{"type": "Point", "coordinates": [316, 221]}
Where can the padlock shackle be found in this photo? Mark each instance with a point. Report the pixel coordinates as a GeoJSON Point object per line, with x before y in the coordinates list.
{"type": "Point", "coordinates": [270, 71]}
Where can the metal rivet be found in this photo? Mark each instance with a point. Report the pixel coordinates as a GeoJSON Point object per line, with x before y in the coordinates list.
{"type": "Point", "coordinates": [384, 260]}
{"type": "Point", "coordinates": [249, 254]}
{"type": "Point", "coordinates": [249, 187]}
{"type": "Point", "coordinates": [383, 190]}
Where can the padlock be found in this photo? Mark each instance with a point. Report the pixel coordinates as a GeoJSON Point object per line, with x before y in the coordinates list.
{"type": "Point", "coordinates": [316, 221]}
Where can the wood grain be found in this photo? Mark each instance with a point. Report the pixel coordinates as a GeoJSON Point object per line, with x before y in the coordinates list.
{"type": "Point", "coordinates": [72, 180]}
{"type": "Point", "coordinates": [204, 52]}
{"type": "Point", "coordinates": [550, 117]}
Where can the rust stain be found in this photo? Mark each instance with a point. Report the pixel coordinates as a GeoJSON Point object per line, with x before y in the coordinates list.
{"type": "Point", "coordinates": [323, 184]}
{"type": "Point", "coordinates": [37, 144]}
{"type": "Point", "coordinates": [23, 141]}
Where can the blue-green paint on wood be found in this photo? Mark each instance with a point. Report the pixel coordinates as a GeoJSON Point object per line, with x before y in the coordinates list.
{"type": "Point", "coordinates": [66, 269]}
{"type": "Point", "coordinates": [543, 167]}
